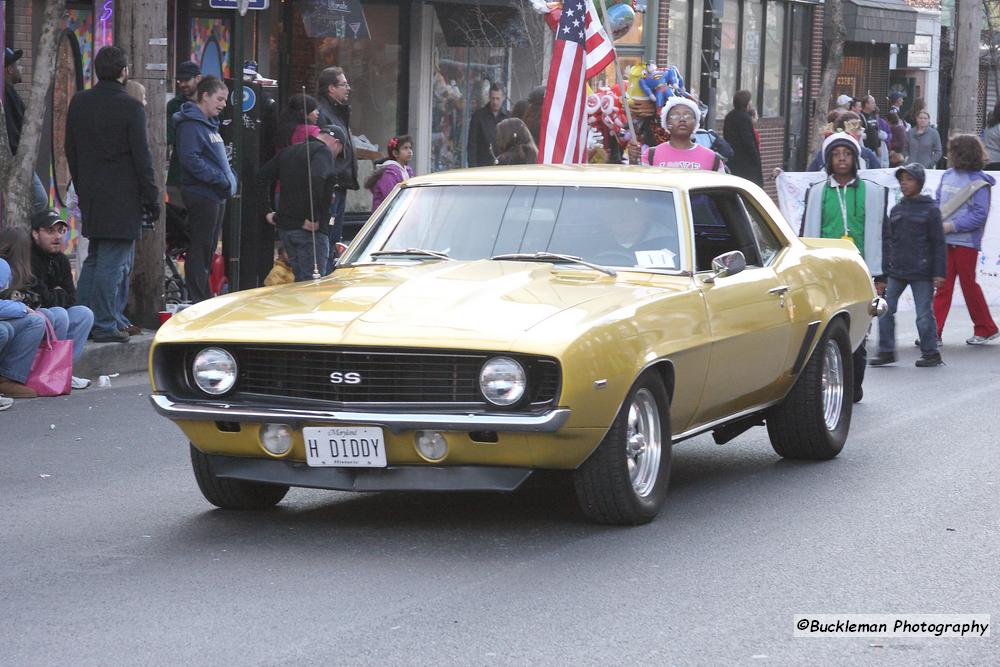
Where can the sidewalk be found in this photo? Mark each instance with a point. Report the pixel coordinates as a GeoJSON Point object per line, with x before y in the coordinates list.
{"type": "Point", "coordinates": [109, 358]}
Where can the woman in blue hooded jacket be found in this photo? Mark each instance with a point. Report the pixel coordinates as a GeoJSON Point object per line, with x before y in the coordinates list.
{"type": "Point", "coordinates": [963, 232]}
{"type": "Point", "coordinates": [21, 330]}
{"type": "Point", "coordinates": [207, 180]}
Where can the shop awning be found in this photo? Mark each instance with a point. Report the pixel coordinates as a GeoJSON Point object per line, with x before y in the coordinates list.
{"type": "Point", "coordinates": [879, 21]}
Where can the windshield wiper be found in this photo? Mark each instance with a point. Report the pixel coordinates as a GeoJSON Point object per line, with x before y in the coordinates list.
{"type": "Point", "coordinates": [418, 252]}
{"type": "Point", "coordinates": [542, 256]}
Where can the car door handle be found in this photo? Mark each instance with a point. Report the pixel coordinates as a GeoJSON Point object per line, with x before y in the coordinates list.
{"type": "Point", "coordinates": [779, 290]}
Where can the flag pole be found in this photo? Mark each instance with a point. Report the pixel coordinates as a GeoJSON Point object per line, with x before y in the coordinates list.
{"type": "Point", "coordinates": [622, 83]}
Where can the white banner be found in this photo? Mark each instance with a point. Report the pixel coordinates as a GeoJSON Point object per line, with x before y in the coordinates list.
{"type": "Point", "coordinates": [792, 188]}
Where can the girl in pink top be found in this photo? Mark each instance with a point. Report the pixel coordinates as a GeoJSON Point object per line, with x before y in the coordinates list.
{"type": "Point", "coordinates": [680, 118]}
{"type": "Point", "coordinates": [391, 170]}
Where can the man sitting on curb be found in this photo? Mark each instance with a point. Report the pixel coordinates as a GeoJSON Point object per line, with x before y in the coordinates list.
{"type": "Point", "coordinates": [53, 290]}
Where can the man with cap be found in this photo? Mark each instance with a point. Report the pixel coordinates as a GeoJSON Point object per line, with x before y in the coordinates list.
{"type": "Point", "coordinates": [844, 103]}
{"type": "Point", "coordinates": [845, 206]}
{"type": "Point", "coordinates": [13, 109]}
{"type": "Point", "coordinates": [52, 290]}
{"type": "Point", "coordinates": [914, 255]}
{"type": "Point", "coordinates": [303, 227]}
{"type": "Point", "coordinates": [187, 78]}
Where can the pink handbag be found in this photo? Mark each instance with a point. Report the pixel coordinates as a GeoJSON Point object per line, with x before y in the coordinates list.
{"type": "Point", "coordinates": [52, 370]}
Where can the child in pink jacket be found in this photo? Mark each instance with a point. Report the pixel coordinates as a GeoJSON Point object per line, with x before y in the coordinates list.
{"type": "Point", "coordinates": [391, 170]}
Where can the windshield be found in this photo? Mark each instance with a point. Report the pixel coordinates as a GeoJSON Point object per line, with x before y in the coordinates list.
{"type": "Point", "coordinates": [609, 226]}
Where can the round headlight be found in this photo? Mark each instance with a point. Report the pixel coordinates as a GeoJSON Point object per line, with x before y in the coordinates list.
{"type": "Point", "coordinates": [214, 371]}
{"type": "Point", "coordinates": [502, 381]}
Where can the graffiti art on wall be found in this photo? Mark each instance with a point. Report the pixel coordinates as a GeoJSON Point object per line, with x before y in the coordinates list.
{"type": "Point", "coordinates": [210, 41]}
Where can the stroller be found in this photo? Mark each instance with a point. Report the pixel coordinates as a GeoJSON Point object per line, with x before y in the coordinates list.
{"type": "Point", "coordinates": [175, 288]}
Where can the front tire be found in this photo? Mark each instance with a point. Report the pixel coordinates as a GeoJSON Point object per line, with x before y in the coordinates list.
{"type": "Point", "coordinates": [624, 482]}
{"type": "Point", "coordinates": [233, 494]}
{"type": "Point", "coordinates": [813, 420]}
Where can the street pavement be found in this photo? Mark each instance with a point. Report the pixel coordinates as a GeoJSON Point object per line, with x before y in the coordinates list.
{"type": "Point", "coordinates": [111, 557]}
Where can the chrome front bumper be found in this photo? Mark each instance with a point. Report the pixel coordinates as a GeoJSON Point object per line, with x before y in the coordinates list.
{"type": "Point", "coordinates": [546, 422]}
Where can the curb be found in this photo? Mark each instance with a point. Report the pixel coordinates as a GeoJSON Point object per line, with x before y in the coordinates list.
{"type": "Point", "coordinates": [109, 358]}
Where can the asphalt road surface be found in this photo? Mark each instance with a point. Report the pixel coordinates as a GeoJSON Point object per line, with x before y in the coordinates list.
{"type": "Point", "coordinates": [109, 555]}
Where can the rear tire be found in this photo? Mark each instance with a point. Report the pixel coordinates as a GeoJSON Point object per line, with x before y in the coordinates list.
{"type": "Point", "coordinates": [813, 421]}
{"type": "Point", "coordinates": [624, 482]}
{"type": "Point", "coordinates": [233, 494]}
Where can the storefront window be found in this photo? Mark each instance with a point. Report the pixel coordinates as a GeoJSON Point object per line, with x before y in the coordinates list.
{"type": "Point", "coordinates": [728, 58]}
{"type": "Point", "coordinates": [753, 21]}
{"type": "Point", "coordinates": [472, 49]}
{"type": "Point", "coordinates": [774, 48]}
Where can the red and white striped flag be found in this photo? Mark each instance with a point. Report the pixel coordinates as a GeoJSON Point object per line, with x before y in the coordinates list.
{"type": "Point", "coordinates": [581, 50]}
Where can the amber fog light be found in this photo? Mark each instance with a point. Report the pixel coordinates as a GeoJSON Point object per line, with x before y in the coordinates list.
{"type": "Point", "coordinates": [431, 445]}
{"type": "Point", "coordinates": [276, 438]}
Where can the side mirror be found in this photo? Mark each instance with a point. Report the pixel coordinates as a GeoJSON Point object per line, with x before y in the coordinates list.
{"type": "Point", "coordinates": [727, 264]}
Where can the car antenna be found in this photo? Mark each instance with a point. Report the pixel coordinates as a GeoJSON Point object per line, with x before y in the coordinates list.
{"type": "Point", "coordinates": [312, 213]}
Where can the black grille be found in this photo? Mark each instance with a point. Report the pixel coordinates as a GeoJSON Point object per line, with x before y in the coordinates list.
{"type": "Point", "coordinates": [387, 376]}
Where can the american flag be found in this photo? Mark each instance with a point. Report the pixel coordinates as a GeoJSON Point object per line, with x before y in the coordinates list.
{"type": "Point", "coordinates": [581, 50]}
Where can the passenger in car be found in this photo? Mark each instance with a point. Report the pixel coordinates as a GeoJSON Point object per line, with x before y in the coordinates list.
{"type": "Point", "coordinates": [845, 206]}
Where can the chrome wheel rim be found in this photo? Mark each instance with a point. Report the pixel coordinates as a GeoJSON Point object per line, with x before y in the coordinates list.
{"type": "Point", "coordinates": [643, 442]}
{"type": "Point", "coordinates": [832, 383]}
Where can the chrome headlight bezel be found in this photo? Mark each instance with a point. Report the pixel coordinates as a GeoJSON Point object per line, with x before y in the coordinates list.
{"type": "Point", "coordinates": [503, 381]}
{"type": "Point", "coordinates": [214, 371]}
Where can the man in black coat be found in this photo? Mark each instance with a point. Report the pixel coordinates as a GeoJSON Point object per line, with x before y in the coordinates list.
{"type": "Point", "coordinates": [303, 226]}
{"type": "Point", "coordinates": [331, 99]}
{"type": "Point", "coordinates": [483, 129]}
{"type": "Point", "coordinates": [112, 170]}
{"type": "Point", "coordinates": [737, 130]}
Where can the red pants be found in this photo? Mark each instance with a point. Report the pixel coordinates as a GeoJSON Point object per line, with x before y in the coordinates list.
{"type": "Point", "coordinates": [962, 264]}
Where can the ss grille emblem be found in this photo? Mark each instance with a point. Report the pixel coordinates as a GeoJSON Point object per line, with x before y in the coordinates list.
{"type": "Point", "coordinates": [337, 377]}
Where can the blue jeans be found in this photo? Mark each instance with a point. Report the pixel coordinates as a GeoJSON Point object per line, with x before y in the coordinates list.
{"type": "Point", "coordinates": [337, 208]}
{"type": "Point", "coordinates": [23, 336]}
{"type": "Point", "coordinates": [101, 280]}
{"type": "Point", "coordinates": [122, 303]}
{"type": "Point", "coordinates": [299, 247]}
{"type": "Point", "coordinates": [923, 296]}
{"type": "Point", "coordinates": [39, 198]}
{"type": "Point", "coordinates": [73, 324]}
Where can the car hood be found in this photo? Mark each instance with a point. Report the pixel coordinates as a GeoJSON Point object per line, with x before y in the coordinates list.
{"type": "Point", "coordinates": [480, 304]}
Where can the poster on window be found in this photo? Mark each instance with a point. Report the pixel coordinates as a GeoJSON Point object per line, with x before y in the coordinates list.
{"type": "Point", "coordinates": [792, 188]}
{"type": "Point", "coordinates": [335, 18]}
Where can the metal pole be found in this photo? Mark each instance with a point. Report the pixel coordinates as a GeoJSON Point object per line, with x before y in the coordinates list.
{"type": "Point", "coordinates": [236, 204]}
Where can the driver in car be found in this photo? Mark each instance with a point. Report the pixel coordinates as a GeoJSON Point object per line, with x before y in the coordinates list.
{"type": "Point", "coordinates": [644, 243]}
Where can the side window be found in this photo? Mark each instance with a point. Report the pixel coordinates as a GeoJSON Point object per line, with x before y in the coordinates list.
{"type": "Point", "coordinates": [767, 241]}
{"type": "Point", "coordinates": [720, 225]}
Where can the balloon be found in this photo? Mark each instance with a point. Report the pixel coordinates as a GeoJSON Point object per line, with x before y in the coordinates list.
{"type": "Point", "coordinates": [620, 20]}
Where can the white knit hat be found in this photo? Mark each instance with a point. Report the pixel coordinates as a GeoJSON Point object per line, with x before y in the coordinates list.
{"type": "Point", "coordinates": [677, 102]}
{"type": "Point", "coordinates": [842, 139]}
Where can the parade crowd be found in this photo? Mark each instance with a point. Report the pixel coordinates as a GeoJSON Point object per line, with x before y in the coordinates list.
{"type": "Point", "coordinates": [925, 243]}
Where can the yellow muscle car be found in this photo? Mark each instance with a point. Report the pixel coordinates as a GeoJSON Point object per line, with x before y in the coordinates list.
{"type": "Point", "coordinates": [492, 322]}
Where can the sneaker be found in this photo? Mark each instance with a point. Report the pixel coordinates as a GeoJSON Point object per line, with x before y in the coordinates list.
{"type": "Point", "coordinates": [133, 330]}
{"type": "Point", "coordinates": [883, 358]}
{"type": "Point", "coordinates": [916, 343]}
{"type": "Point", "coordinates": [982, 340]}
{"type": "Point", "coordinates": [929, 360]}
{"type": "Point", "coordinates": [5, 403]}
{"type": "Point", "coordinates": [15, 389]}
{"type": "Point", "coordinates": [80, 383]}
{"type": "Point", "coordinates": [110, 337]}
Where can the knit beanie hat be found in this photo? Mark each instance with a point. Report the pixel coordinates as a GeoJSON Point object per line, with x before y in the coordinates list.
{"type": "Point", "coordinates": [677, 102]}
{"type": "Point", "coordinates": [841, 139]}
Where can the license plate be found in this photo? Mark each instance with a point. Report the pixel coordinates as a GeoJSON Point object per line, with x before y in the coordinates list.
{"type": "Point", "coordinates": [344, 447]}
